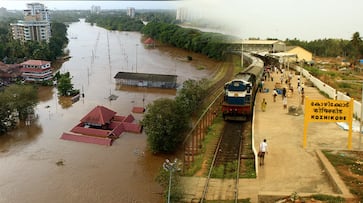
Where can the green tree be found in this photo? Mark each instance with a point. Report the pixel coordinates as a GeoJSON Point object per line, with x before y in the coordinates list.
{"type": "Point", "coordinates": [6, 121]}
{"type": "Point", "coordinates": [164, 124]}
{"type": "Point", "coordinates": [21, 98]}
{"type": "Point", "coordinates": [356, 45]}
{"type": "Point", "coordinates": [191, 95]}
{"type": "Point", "coordinates": [64, 84]}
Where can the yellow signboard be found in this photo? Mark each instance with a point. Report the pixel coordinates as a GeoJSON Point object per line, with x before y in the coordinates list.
{"type": "Point", "coordinates": [329, 111]}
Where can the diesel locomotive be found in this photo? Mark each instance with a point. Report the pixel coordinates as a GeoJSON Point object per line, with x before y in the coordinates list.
{"type": "Point", "coordinates": [240, 92]}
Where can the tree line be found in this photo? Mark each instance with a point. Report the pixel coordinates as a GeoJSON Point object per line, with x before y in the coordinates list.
{"type": "Point", "coordinates": [210, 44]}
{"type": "Point", "coordinates": [164, 29]}
{"type": "Point", "coordinates": [120, 22]}
{"type": "Point", "coordinates": [351, 49]}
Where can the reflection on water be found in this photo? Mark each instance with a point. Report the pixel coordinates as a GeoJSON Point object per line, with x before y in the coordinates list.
{"type": "Point", "coordinates": [65, 102]}
{"type": "Point", "coordinates": [123, 172]}
{"type": "Point", "coordinates": [146, 90]}
{"type": "Point", "coordinates": [21, 136]}
{"type": "Point", "coordinates": [45, 93]}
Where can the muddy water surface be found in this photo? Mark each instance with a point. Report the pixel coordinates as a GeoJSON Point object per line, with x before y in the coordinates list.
{"type": "Point", "coordinates": [123, 172]}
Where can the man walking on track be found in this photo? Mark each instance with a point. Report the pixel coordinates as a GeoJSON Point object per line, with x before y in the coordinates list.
{"type": "Point", "coordinates": [262, 151]}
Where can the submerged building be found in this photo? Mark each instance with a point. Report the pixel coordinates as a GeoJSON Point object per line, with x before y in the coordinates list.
{"type": "Point", "coordinates": [146, 80]}
{"type": "Point", "coordinates": [36, 70]}
{"type": "Point", "coordinates": [101, 126]}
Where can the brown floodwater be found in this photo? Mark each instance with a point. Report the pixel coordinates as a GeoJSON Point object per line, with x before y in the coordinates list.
{"type": "Point", "coordinates": [123, 172]}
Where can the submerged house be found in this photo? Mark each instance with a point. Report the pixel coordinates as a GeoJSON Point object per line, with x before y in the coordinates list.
{"type": "Point", "coordinates": [36, 70]}
{"type": "Point", "coordinates": [149, 42]}
{"type": "Point", "coordinates": [101, 126]}
{"type": "Point", "coordinates": [146, 80]}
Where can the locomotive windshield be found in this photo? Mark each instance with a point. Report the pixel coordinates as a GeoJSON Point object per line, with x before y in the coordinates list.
{"type": "Point", "coordinates": [236, 86]}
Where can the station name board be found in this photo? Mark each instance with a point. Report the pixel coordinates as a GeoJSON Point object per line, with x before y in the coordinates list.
{"type": "Point", "coordinates": [328, 111]}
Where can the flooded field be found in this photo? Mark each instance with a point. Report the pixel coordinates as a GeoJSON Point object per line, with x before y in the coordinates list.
{"type": "Point", "coordinates": [123, 172]}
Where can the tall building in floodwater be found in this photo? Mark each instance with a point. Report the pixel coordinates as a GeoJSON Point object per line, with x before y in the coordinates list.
{"type": "Point", "coordinates": [95, 9]}
{"type": "Point", "coordinates": [131, 12]}
{"type": "Point", "coordinates": [35, 26]}
{"type": "Point", "coordinates": [182, 14]}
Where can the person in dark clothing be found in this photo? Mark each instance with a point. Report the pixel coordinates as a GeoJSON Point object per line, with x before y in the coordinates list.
{"type": "Point", "coordinates": [283, 92]}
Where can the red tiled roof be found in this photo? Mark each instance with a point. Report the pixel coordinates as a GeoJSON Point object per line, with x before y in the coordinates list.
{"type": "Point", "coordinates": [118, 129]}
{"type": "Point", "coordinates": [119, 118]}
{"type": "Point", "coordinates": [129, 118]}
{"type": "Point", "coordinates": [149, 41]}
{"type": "Point", "coordinates": [99, 115]}
{"type": "Point", "coordinates": [91, 131]}
{"type": "Point", "coordinates": [35, 62]}
{"type": "Point", "coordinates": [132, 127]}
{"type": "Point", "coordinates": [87, 139]}
{"type": "Point", "coordinates": [136, 109]}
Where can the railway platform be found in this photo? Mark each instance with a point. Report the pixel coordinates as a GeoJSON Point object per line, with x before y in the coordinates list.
{"type": "Point", "coordinates": [288, 167]}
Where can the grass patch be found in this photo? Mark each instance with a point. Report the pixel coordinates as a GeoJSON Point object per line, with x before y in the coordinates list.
{"type": "Point", "coordinates": [200, 68]}
{"type": "Point", "coordinates": [328, 198]}
{"type": "Point", "coordinates": [338, 159]}
{"type": "Point", "coordinates": [250, 171]}
{"type": "Point", "coordinates": [344, 85]}
{"type": "Point", "coordinates": [196, 166]}
{"type": "Point", "coordinates": [349, 166]}
{"type": "Point", "coordinates": [225, 171]}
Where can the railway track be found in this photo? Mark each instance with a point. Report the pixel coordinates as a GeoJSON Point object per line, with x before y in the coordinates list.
{"type": "Point", "coordinates": [217, 88]}
{"type": "Point", "coordinates": [226, 160]}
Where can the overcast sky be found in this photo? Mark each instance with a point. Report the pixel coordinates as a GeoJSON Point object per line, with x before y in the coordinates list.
{"type": "Point", "coordinates": [301, 19]}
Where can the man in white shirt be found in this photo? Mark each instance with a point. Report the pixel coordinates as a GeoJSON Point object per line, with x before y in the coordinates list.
{"type": "Point", "coordinates": [262, 151]}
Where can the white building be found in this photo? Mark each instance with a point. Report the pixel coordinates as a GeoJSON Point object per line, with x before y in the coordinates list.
{"type": "Point", "coordinates": [35, 26]}
{"type": "Point", "coordinates": [36, 70]}
{"type": "Point", "coordinates": [36, 11]}
{"type": "Point", "coordinates": [96, 9]}
{"type": "Point", "coordinates": [131, 12]}
{"type": "Point", "coordinates": [182, 14]}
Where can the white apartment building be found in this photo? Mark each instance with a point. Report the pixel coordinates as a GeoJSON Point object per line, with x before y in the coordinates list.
{"type": "Point", "coordinates": [95, 9]}
{"type": "Point", "coordinates": [131, 12]}
{"type": "Point", "coordinates": [35, 26]}
{"type": "Point", "coordinates": [182, 14]}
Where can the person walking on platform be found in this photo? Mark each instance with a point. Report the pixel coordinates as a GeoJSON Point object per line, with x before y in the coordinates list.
{"type": "Point", "coordinates": [284, 91]}
{"type": "Point", "coordinates": [284, 102]}
{"type": "Point", "coordinates": [263, 105]}
{"type": "Point", "coordinates": [274, 94]}
{"type": "Point", "coordinates": [262, 151]}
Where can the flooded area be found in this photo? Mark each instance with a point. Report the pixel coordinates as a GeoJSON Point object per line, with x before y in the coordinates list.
{"type": "Point", "coordinates": [123, 172]}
